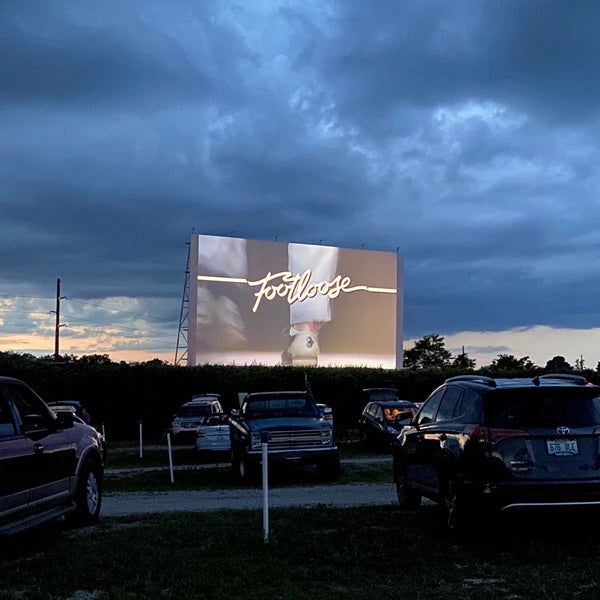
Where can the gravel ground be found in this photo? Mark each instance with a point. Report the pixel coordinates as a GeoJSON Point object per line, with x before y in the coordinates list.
{"type": "Point", "coordinates": [355, 494]}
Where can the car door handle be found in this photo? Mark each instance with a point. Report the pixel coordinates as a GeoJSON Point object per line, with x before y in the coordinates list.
{"type": "Point", "coordinates": [38, 448]}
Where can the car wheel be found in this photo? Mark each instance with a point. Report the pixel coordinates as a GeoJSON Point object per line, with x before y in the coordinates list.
{"type": "Point", "coordinates": [453, 505]}
{"type": "Point", "coordinates": [245, 468]}
{"type": "Point", "coordinates": [407, 497]}
{"type": "Point", "coordinates": [88, 495]}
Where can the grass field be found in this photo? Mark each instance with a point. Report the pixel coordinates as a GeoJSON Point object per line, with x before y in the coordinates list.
{"type": "Point", "coordinates": [316, 553]}
{"type": "Point", "coordinates": [352, 553]}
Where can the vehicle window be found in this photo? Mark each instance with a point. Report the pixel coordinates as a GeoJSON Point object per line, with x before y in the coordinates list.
{"type": "Point", "coordinates": [390, 413]}
{"type": "Point", "coordinates": [7, 427]}
{"type": "Point", "coordinates": [543, 408]}
{"type": "Point", "coordinates": [430, 407]}
{"type": "Point", "coordinates": [33, 412]}
{"type": "Point", "coordinates": [448, 404]}
{"type": "Point", "coordinates": [280, 407]}
{"type": "Point", "coordinates": [468, 408]}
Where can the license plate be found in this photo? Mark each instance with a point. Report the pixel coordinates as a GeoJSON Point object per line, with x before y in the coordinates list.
{"type": "Point", "coordinates": [562, 447]}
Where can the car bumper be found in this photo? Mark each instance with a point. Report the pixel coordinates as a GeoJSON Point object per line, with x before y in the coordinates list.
{"type": "Point", "coordinates": [307, 456]}
{"type": "Point", "coordinates": [532, 495]}
{"type": "Point", "coordinates": [213, 446]}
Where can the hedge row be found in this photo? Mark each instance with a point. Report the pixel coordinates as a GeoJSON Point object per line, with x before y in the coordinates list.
{"type": "Point", "coordinates": [120, 395]}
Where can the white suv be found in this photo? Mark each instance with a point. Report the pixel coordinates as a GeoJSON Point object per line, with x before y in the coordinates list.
{"type": "Point", "coordinates": [192, 414]}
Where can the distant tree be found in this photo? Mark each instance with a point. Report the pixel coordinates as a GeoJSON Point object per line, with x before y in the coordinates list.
{"type": "Point", "coordinates": [428, 353]}
{"type": "Point", "coordinates": [462, 361]}
{"type": "Point", "coordinates": [579, 363]}
{"type": "Point", "coordinates": [95, 359]}
{"type": "Point", "coordinates": [156, 362]}
{"type": "Point", "coordinates": [508, 362]}
{"type": "Point", "coordinates": [558, 364]}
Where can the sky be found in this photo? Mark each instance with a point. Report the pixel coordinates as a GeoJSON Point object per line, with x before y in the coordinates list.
{"type": "Point", "coordinates": [464, 135]}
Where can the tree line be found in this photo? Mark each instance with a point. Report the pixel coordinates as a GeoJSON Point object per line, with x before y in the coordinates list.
{"type": "Point", "coordinates": [430, 353]}
{"type": "Point", "coordinates": [121, 394]}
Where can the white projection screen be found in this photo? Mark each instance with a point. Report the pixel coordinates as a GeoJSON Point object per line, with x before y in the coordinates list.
{"type": "Point", "coordinates": [271, 303]}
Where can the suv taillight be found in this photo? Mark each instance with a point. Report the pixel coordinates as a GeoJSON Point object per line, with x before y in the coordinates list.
{"type": "Point", "coordinates": [490, 435]}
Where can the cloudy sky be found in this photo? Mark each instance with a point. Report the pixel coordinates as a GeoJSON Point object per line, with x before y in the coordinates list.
{"type": "Point", "coordinates": [464, 134]}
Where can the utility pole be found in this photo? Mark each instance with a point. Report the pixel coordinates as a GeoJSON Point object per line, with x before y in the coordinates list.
{"type": "Point", "coordinates": [58, 325]}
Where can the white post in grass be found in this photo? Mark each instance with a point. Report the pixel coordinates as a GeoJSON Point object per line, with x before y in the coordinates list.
{"type": "Point", "coordinates": [265, 485]}
{"type": "Point", "coordinates": [141, 448]}
{"type": "Point", "coordinates": [170, 457]}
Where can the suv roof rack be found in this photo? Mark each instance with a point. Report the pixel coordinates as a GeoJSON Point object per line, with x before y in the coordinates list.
{"type": "Point", "coordinates": [566, 377]}
{"type": "Point", "coordinates": [475, 378]}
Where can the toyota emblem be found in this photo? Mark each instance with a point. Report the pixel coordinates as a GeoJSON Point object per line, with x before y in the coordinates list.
{"type": "Point", "coordinates": [562, 430]}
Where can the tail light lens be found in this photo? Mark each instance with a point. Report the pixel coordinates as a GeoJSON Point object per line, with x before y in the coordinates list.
{"type": "Point", "coordinates": [513, 452]}
{"type": "Point", "coordinates": [492, 435]}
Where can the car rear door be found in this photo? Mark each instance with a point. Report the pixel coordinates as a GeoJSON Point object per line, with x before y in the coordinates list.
{"type": "Point", "coordinates": [434, 442]}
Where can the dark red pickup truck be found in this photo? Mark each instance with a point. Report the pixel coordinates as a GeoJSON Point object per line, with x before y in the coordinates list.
{"type": "Point", "coordinates": [51, 464]}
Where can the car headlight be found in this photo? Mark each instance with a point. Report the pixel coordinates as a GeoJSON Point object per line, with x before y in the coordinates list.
{"type": "Point", "coordinates": [327, 437]}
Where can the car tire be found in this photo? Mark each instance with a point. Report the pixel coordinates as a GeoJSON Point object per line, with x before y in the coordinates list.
{"type": "Point", "coordinates": [453, 505]}
{"type": "Point", "coordinates": [244, 467]}
{"type": "Point", "coordinates": [407, 497]}
{"type": "Point", "coordinates": [88, 495]}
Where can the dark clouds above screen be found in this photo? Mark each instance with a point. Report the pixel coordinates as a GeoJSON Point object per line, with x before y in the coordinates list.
{"type": "Point", "coordinates": [463, 134]}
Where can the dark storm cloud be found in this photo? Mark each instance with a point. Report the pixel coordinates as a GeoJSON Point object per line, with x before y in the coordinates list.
{"type": "Point", "coordinates": [535, 56]}
{"type": "Point", "coordinates": [464, 134]}
{"type": "Point", "coordinates": [111, 56]}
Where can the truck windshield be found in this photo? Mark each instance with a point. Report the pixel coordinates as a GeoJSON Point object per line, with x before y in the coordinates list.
{"type": "Point", "coordinates": [273, 408]}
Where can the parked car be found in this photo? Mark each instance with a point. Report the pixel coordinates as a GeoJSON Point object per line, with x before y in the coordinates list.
{"type": "Point", "coordinates": [191, 415]}
{"type": "Point", "coordinates": [480, 445]}
{"type": "Point", "coordinates": [73, 405]}
{"type": "Point", "coordinates": [382, 420]}
{"type": "Point", "coordinates": [51, 464]}
{"type": "Point", "coordinates": [212, 437]}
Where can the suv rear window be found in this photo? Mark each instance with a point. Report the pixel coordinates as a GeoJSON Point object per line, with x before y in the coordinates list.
{"type": "Point", "coordinates": [543, 407]}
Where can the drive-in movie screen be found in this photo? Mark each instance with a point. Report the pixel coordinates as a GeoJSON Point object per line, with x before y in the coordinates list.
{"type": "Point", "coordinates": [280, 303]}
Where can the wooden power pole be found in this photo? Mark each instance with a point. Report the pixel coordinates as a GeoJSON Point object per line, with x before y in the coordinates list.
{"type": "Point", "coordinates": [57, 327]}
